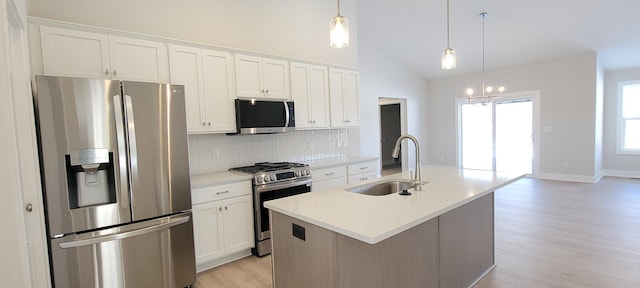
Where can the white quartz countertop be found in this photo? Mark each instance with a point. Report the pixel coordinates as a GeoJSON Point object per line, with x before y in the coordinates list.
{"type": "Point", "coordinates": [372, 219]}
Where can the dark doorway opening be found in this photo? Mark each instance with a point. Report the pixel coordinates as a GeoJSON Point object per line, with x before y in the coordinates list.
{"type": "Point", "coordinates": [390, 130]}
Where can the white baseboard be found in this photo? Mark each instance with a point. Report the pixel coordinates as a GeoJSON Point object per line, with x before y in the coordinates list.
{"type": "Point", "coordinates": [568, 177]}
{"type": "Point", "coordinates": [621, 173]}
{"type": "Point", "coordinates": [223, 260]}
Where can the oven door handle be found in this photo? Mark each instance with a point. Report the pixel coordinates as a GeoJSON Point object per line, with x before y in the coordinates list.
{"type": "Point", "coordinates": [271, 187]}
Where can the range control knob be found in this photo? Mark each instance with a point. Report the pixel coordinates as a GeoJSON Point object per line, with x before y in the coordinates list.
{"type": "Point", "coordinates": [298, 173]}
{"type": "Point", "coordinates": [259, 179]}
{"type": "Point", "coordinates": [266, 178]}
{"type": "Point", "coordinates": [273, 178]}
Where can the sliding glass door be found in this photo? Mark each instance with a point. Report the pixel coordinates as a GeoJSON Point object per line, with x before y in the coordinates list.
{"type": "Point", "coordinates": [497, 136]}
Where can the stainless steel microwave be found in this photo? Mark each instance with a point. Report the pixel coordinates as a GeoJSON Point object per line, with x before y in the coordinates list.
{"type": "Point", "coordinates": [264, 116]}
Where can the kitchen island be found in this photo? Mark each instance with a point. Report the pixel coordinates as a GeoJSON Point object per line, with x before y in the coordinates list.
{"type": "Point", "coordinates": [442, 236]}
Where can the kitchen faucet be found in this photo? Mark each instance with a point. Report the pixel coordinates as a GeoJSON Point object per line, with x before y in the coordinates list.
{"type": "Point", "coordinates": [417, 178]}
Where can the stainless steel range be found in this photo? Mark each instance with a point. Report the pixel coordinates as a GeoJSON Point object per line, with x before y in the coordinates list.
{"type": "Point", "coordinates": [273, 181]}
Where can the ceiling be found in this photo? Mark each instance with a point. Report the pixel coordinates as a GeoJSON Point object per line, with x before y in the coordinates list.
{"type": "Point", "coordinates": [516, 32]}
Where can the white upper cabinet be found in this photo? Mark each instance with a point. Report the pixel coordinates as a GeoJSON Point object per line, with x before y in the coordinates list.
{"type": "Point", "coordinates": [75, 53]}
{"type": "Point", "coordinates": [258, 77]}
{"type": "Point", "coordinates": [208, 79]}
{"type": "Point", "coordinates": [343, 90]}
{"type": "Point", "coordinates": [310, 92]}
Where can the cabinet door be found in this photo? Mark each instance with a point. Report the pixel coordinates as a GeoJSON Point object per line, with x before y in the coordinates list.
{"type": "Point", "coordinates": [275, 76]}
{"type": "Point", "coordinates": [217, 71]}
{"type": "Point", "coordinates": [248, 76]}
{"type": "Point", "coordinates": [238, 224]}
{"type": "Point", "coordinates": [186, 69]}
{"type": "Point", "coordinates": [319, 96]}
{"type": "Point", "coordinates": [74, 53]}
{"type": "Point", "coordinates": [351, 101]}
{"type": "Point", "coordinates": [343, 85]}
{"type": "Point", "coordinates": [207, 231]}
{"type": "Point", "coordinates": [138, 60]}
{"type": "Point", "coordinates": [336, 93]}
{"type": "Point", "coordinates": [300, 94]}
{"type": "Point", "coordinates": [328, 184]}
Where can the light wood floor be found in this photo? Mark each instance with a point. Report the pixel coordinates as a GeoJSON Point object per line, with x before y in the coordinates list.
{"type": "Point", "coordinates": [548, 234]}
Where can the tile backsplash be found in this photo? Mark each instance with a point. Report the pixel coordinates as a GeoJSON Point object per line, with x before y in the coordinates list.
{"type": "Point", "coordinates": [219, 152]}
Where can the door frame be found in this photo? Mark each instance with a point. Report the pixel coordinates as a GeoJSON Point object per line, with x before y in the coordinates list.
{"type": "Point", "coordinates": [403, 126]}
{"type": "Point", "coordinates": [534, 96]}
{"type": "Point", "coordinates": [17, 44]}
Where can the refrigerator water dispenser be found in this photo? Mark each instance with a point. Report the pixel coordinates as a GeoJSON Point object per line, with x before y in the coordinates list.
{"type": "Point", "coordinates": [90, 177]}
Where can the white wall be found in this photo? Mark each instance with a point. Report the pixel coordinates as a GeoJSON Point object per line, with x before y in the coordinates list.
{"type": "Point", "coordinates": [613, 164]}
{"type": "Point", "coordinates": [292, 28]}
{"type": "Point", "coordinates": [381, 76]}
{"type": "Point", "coordinates": [567, 106]}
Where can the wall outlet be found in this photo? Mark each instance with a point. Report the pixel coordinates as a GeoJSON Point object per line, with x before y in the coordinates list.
{"type": "Point", "coordinates": [215, 153]}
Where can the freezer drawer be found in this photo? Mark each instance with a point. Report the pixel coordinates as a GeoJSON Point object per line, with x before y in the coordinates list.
{"type": "Point", "coordinates": [155, 253]}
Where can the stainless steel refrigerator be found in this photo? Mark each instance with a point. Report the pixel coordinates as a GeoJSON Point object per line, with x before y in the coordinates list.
{"type": "Point", "coordinates": [116, 182]}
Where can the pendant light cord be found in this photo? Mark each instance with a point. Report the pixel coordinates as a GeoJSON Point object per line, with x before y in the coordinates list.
{"type": "Point", "coordinates": [339, 8]}
{"type": "Point", "coordinates": [483, 88]}
{"type": "Point", "coordinates": [448, 44]}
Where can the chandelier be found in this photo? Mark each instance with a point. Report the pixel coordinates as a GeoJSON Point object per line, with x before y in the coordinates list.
{"type": "Point", "coordinates": [488, 94]}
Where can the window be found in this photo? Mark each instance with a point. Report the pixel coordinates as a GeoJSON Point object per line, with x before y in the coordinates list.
{"type": "Point", "coordinates": [628, 118]}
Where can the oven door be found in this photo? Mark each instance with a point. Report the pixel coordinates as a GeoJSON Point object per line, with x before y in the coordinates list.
{"type": "Point", "coordinates": [269, 192]}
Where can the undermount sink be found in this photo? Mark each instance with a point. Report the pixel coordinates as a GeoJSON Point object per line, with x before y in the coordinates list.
{"type": "Point", "coordinates": [383, 188]}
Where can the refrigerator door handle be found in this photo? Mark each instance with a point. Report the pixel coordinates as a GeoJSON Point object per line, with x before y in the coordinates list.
{"type": "Point", "coordinates": [122, 152]}
{"type": "Point", "coordinates": [133, 149]}
{"type": "Point", "coordinates": [128, 234]}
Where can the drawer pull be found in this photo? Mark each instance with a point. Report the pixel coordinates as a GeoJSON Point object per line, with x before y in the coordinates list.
{"type": "Point", "coordinates": [329, 174]}
{"type": "Point", "coordinates": [362, 168]}
{"type": "Point", "coordinates": [222, 192]}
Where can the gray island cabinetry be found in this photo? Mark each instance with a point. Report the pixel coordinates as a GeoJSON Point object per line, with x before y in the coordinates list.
{"type": "Point", "coordinates": [440, 237]}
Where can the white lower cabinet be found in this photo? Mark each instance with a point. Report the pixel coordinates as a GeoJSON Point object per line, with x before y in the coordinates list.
{"type": "Point", "coordinates": [223, 229]}
{"type": "Point", "coordinates": [327, 178]}
{"type": "Point", "coordinates": [363, 171]}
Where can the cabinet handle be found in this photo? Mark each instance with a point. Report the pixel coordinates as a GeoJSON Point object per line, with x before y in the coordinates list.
{"type": "Point", "coordinates": [362, 168]}
{"type": "Point", "coordinates": [209, 123]}
{"type": "Point", "coordinates": [204, 124]}
{"type": "Point", "coordinates": [114, 72]}
{"type": "Point", "coordinates": [29, 207]}
{"type": "Point", "coordinates": [106, 71]}
{"type": "Point", "coordinates": [267, 91]}
{"type": "Point", "coordinates": [226, 208]}
{"type": "Point", "coordinates": [329, 174]}
{"type": "Point", "coordinates": [220, 208]}
{"type": "Point", "coordinates": [222, 192]}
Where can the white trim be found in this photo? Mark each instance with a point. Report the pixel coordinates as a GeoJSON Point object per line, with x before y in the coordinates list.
{"type": "Point", "coordinates": [29, 172]}
{"type": "Point", "coordinates": [621, 173]}
{"type": "Point", "coordinates": [568, 177]}
{"type": "Point", "coordinates": [619, 122]}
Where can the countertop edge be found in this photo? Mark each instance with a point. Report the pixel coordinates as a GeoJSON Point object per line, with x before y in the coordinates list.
{"type": "Point", "coordinates": [373, 239]}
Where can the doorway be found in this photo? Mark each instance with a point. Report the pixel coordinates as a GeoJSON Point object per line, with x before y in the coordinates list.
{"type": "Point", "coordinates": [392, 125]}
{"type": "Point", "coordinates": [500, 135]}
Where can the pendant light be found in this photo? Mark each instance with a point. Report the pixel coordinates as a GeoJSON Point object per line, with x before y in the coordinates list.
{"type": "Point", "coordinates": [487, 91]}
{"type": "Point", "coordinates": [448, 55]}
{"type": "Point", "coordinates": [339, 31]}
